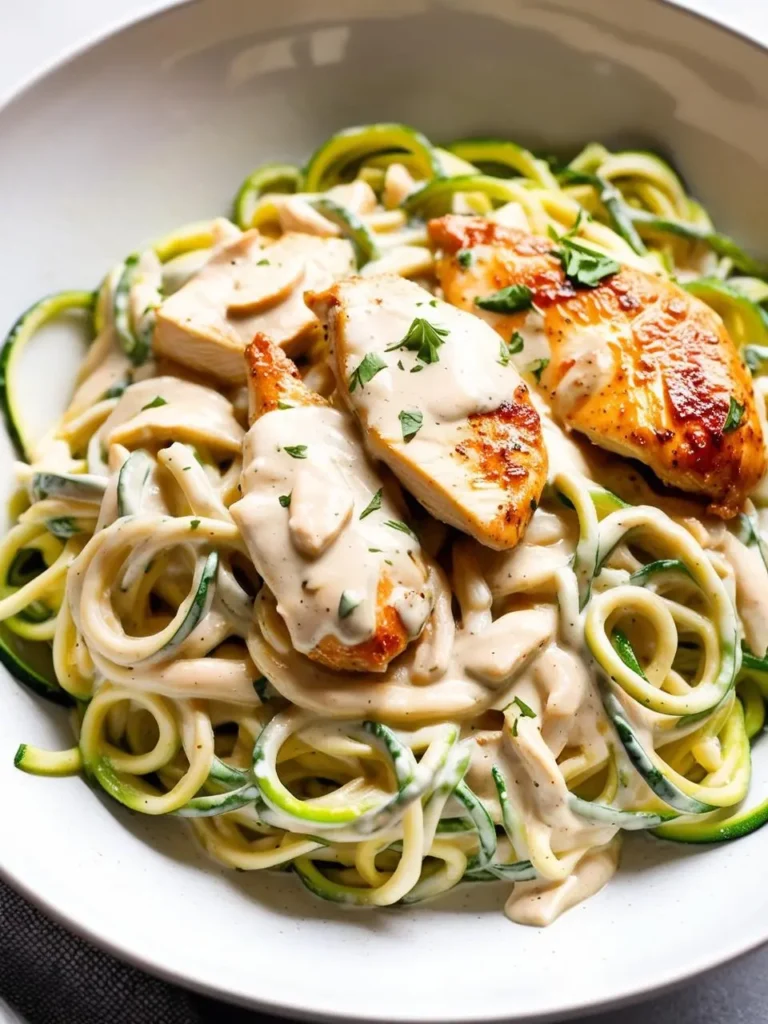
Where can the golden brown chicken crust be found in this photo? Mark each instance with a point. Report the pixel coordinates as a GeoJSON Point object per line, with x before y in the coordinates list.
{"type": "Point", "coordinates": [506, 447]}
{"type": "Point", "coordinates": [674, 372]}
{"type": "Point", "coordinates": [273, 378]}
{"type": "Point", "coordinates": [374, 654]}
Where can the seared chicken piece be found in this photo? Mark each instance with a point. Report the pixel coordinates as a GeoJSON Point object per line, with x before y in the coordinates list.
{"type": "Point", "coordinates": [636, 363]}
{"type": "Point", "coordinates": [439, 403]}
{"type": "Point", "coordinates": [349, 577]}
{"type": "Point", "coordinates": [248, 287]}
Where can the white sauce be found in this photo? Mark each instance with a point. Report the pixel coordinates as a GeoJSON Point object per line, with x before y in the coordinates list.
{"type": "Point", "coordinates": [467, 377]}
{"type": "Point", "coordinates": [337, 553]}
{"type": "Point", "coordinates": [593, 368]}
{"type": "Point", "coordinates": [540, 903]}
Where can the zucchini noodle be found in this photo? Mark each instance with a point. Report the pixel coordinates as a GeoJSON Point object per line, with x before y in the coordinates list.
{"type": "Point", "coordinates": [606, 675]}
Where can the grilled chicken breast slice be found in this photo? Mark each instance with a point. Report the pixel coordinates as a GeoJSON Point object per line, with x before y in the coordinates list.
{"type": "Point", "coordinates": [636, 363]}
{"type": "Point", "coordinates": [350, 579]}
{"type": "Point", "coordinates": [438, 402]}
{"type": "Point", "coordinates": [246, 287]}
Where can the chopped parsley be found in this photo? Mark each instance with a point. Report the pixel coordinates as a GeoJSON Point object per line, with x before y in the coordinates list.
{"type": "Point", "coordinates": [398, 524]}
{"type": "Point", "coordinates": [507, 300]}
{"type": "Point", "coordinates": [411, 421]}
{"type": "Point", "coordinates": [400, 364]}
{"type": "Point", "coordinates": [348, 602]}
{"type": "Point", "coordinates": [296, 451]}
{"type": "Point", "coordinates": [572, 230]}
{"type": "Point", "coordinates": [375, 551]}
{"type": "Point", "coordinates": [516, 343]}
{"type": "Point", "coordinates": [154, 404]}
{"type": "Point", "coordinates": [194, 524]}
{"type": "Point", "coordinates": [417, 368]}
{"type": "Point", "coordinates": [366, 371]}
{"type": "Point", "coordinates": [285, 500]}
{"type": "Point", "coordinates": [734, 417]}
{"type": "Point", "coordinates": [118, 389]}
{"type": "Point", "coordinates": [537, 367]}
{"type": "Point", "coordinates": [583, 265]}
{"type": "Point", "coordinates": [263, 263]}
{"type": "Point", "coordinates": [525, 710]}
{"type": "Point", "coordinates": [284, 405]}
{"type": "Point", "coordinates": [264, 689]}
{"type": "Point", "coordinates": [373, 505]}
{"type": "Point", "coordinates": [465, 258]}
{"type": "Point", "coordinates": [424, 339]}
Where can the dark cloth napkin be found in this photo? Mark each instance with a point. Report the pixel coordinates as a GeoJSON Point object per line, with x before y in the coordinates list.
{"type": "Point", "coordinates": [50, 976]}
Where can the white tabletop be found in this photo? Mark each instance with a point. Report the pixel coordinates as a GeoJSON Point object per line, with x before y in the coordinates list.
{"type": "Point", "coordinates": [34, 34]}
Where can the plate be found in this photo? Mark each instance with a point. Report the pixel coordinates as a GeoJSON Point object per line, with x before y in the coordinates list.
{"type": "Point", "coordinates": [157, 125]}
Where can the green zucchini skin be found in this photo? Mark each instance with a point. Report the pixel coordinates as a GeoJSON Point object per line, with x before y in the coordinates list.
{"type": "Point", "coordinates": [31, 320]}
{"type": "Point", "coordinates": [352, 226]}
{"type": "Point", "coordinates": [30, 662]}
{"type": "Point", "coordinates": [53, 764]}
{"type": "Point", "coordinates": [76, 487]}
{"type": "Point", "coordinates": [135, 341]}
{"type": "Point", "coordinates": [735, 826]}
{"type": "Point", "coordinates": [198, 608]}
{"type": "Point", "coordinates": [327, 163]}
{"type": "Point", "coordinates": [486, 830]}
{"type": "Point", "coordinates": [131, 482]}
{"type": "Point", "coordinates": [268, 178]}
{"type": "Point", "coordinates": [502, 153]}
{"type": "Point", "coordinates": [664, 789]}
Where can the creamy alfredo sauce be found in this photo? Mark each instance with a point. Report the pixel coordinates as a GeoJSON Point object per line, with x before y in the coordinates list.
{"type": "Point", "coordinates": [416, 413]}
{"type": "Point", "coordinates": [322, 557]}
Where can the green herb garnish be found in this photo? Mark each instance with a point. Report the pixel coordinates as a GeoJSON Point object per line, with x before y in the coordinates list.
{"type": "Point", "coordinates": [507, 300]}
{"type": "Point", "coordinates": [366, 371]}
{"type": "Point", "coordinates": [285, 500]}
{"type": "Point", "coordinates": [585, 266]}
{"type": "Point", "coordinates": [284, 405]}
{"type": "Point", "coordinates": [347, 603]}
{"type": "Point", "coordinates": [194, 524]}
{"type": "Point", "coordinates": [734, 417]}
{"type": "Point", "coordinates": [410, 422]}
{"type": "Point", "coordinates": [525, 710]}
{"type": "Point", "coordinates": [398, 524]}
{"type": "Point", "coordinates": [424, 339]}
{"type": "Point", "coordinates": [465, 258]}
{"type": "Point", "coordinates": [154, 404]}
{"type": "Point", "coordinates": [516, 343]}
{"type": "Point", "coordinates": [373, 505]}
{"type": "Point", "coordinates": [538, 367]}
{"type": "Point", "coordinates": [296, 451]}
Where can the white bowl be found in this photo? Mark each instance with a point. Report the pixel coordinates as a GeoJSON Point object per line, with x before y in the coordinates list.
{"type": "Point", "coordinates": [156, 126]}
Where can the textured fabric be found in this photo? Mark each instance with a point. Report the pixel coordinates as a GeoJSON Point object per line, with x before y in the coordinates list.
{"type": "Point", "coordinates": [52, 977]}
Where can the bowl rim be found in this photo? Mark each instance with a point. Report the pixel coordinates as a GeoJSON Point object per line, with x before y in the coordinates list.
{"type": "Point", "coordinates": [676, 977]}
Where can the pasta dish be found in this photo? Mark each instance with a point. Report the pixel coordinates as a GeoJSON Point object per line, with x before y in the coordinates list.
{"type": "Point", "coordinates": [409, 528]}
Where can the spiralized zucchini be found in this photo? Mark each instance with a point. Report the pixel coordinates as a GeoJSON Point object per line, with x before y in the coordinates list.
{"type": "Point", "coordinates": [127, 591]}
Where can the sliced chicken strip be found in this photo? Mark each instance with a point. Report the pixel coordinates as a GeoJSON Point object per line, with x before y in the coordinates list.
{"type": "Point", "coordinates": [439, 403]}
{"type": "Point", "coordinates": [350, 579]}
{"type": "Point", "coordinates": [247, 287]}
{"type": "Point", "coordinates": [636, 363]}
